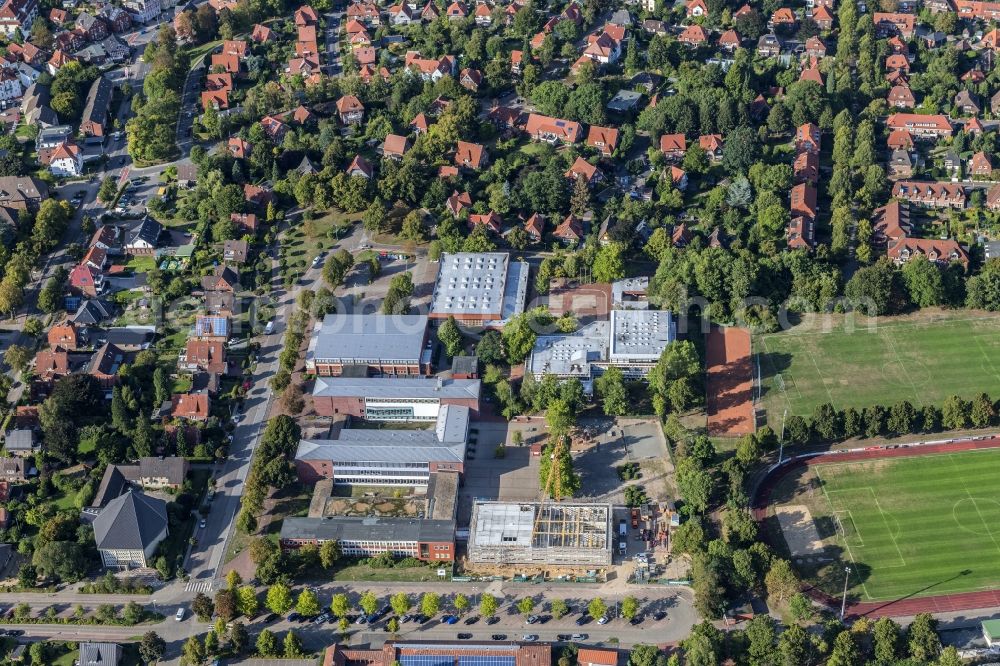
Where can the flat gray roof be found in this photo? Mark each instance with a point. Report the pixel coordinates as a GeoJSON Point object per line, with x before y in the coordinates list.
{"type": "Point", "coordinates": [396, 387]}
{"type": "Point", "coordinates": [640, 335]}
{"type": "Point", "coordinates": [445, 443]}
{"type": "Point", "coordinates": [368, 528]}
{"type": "Point", "coordinates": [626, 293]}
{"type": "Point", "coordinates": [349, 338]}
{"type": "Point", "coordinates": [480, 283]}
{"type": "Point", "coordinates": [570, 354]}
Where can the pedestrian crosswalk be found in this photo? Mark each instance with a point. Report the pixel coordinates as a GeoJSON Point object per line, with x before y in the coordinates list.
{"type": "Point", "coordinates": [198, 586]}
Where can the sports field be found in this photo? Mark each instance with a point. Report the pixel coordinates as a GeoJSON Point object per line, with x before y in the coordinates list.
{"type": "Point", "coordinates": [923, 360]}
{"type": "Point", "coordinates": [914, 526]}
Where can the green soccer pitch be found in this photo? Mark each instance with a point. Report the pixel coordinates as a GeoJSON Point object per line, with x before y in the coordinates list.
{"type": "Point", "coordinates": [923, 525]}
{"type": "Point", "coordinates": [920, 361]}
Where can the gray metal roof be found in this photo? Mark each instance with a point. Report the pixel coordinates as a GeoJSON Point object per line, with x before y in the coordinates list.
{"type": "Point", "coordinates": [100, 654]}
{"type": "Point", "coordinates": [571, 354]}
{"type": "Point", "coordinates": [348, 338]}
{"type": "Point", "coordinates": [130, 522]}
{"type": "Point", "coordinates": [480, 283]}
{"type": "Point", "coordinates": [640, 335]}
{"type": "Point", "coordinates": [396, 387]}
{"type": "Point", "coordinates": [445, 443]}
{"type": "Point", "coordinates": [20, 440]}
{"type": "Point", "coordinates": [353, 528]}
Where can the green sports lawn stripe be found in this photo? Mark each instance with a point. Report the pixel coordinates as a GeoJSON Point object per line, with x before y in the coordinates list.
{"type": "Point", "coordinates": [925, 518]}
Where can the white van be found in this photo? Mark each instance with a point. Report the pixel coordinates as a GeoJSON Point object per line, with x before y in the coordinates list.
{"type": "Point", "coordinates": [269, 329]}
{"type": "Point", "coordinates": [180, 614]}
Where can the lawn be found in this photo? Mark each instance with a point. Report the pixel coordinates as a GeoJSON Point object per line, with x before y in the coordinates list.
{"type": "Point", "coordinates": [917, 525]}
{"type": "Point", "coordinates": [923, 359]}
{"type": "Point", "coordinates": [362, 572]}
{"type": "Point", "coordinates": [301, 243]}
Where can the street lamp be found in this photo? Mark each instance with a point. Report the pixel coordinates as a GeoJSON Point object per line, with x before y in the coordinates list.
{"type": "Point", "coordinates": [843, 601]}
{"type": "Point", "coordinates": [781, 442]}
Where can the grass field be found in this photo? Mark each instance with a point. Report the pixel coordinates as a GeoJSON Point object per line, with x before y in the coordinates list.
{"type": "Point", "coordinates": [923, 360]}
{"type": "Point", "coordinates": [914, 526]}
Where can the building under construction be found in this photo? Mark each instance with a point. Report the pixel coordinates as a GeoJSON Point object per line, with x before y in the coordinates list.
{"type": "Point", "coordinates": [540, 534]}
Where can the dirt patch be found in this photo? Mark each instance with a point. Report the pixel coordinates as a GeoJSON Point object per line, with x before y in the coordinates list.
{"type": "Point", "coordinates": [800, 531]}
{"type": "Point", "coordinates": [730, 382]}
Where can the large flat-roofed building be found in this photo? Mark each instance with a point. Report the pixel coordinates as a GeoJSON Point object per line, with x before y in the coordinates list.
{"type": "Point", "coordinates": [387, 457]}
{"type": "Point", "coordinates": [368, 536]}
{"type": "Point", "coordinates": [397, 399]}
{"type": "Point", "coordinates": [632, 341]}
{"type": "Point", "coordinates": [529, 533]}
{"type": "Point", "coordinates": [443, 653]}
{"type": "Point", "coordinates": [375, 344]}
{"type": "Point", "coordinates": [479, 288]}
{"type": "Point", "coordinates": [638, 337]}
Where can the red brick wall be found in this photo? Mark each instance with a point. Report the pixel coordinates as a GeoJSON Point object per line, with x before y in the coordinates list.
{"type": "Point", "coordinates": [446, 548]}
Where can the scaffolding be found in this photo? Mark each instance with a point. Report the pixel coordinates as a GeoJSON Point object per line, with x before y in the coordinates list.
{"type": "Point", "coordinates": [532, 533]}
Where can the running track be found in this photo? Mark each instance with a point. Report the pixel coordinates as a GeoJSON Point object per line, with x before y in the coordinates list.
{"type": "Point", "coordinates": [905, 606]}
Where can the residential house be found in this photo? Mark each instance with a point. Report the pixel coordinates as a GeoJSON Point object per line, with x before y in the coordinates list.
{"type": "Point", "coordinates": [144, 239]}
{"type": "Point", "coordinates": [491, 221]}
{"type": "Point", "coordinates": [942, 252]}
{"type": "Point", "coordinates": [235, 251]}
{"type": "Point", "coordinates": [93, 28]}
{"type": "Point", "coordinates": [729, 40]}
{"type": "Point", "coordinates": [900, 164]}
{"type": "Point", "coordinates": [888, 24]}
{"type": "Point", "coordinates": [783, 20]}
{"type": "Point", "coordinates": [808, 138]}
{"type": "Point", "coordinates": [143, 11]}
{"type": "Point", "coordinates": [95, 120]}
{"type": "Point", "coordinates": [823, 18]}
{"type": "Point", "coordinates": [17, 15]}
{"type": "Point", "coordinates": [222, 278]}
{"type": "Point", "coordinates": [535, 227]}
{"type": "Point", "coordinates": [66, 335]}
{"type": "Point", "coordinates": [581, 168]}
{"type": "Point", "coordinates": [361, 168]}
{"type": "Point", "coordinates": [673, 146]}
{"type": "Point", "coordinates": [603, 139]}
{"type": "Point", "coordinates": [967, 103]}
{"type": "Point", "coordinates": [696, 8]}
{"type": "Point", "coordinates": [470, 79]}
{"type": "Point", "coordinates": [552, 130]}
{"type": "Point", "coordinates": [678, 177]}
{"type": "Point", "coordinates": [208, 355]}
{"type": "Point", "coordinates": [712, 145]}
{"type": "Point", "coordinates": [805, 167]}
{"type": "Point", "coordinates": [693, 35]}
{"type": "Point", "coordinates": [21, 442]}
{"type": "Point", "coordinates": [932, 195]}
{"type": "Point", "coordinates": [470, 156]}
{"type": "Point", "coordinates": [901, 97]}
{"type": "Point", "coordinates": [190, 406]}
{"type": "Point", "coordinates": [429, 69]}
{"type": "Point", "coordinates": [85, 281]}
{"type": "Point", "coordinates": [351, 110]}
{"type": "Point", "coordinates": [104, 364]}
{"type": "Point", "coordinates": [99, 654]}
{"type": "Point", "coordinates": [900, 139]}
{"type": "Point", "coordinates": [238, 148]}
{"type": "Point", "coordinates": [803, 201]}
{"type": "Point", "coordinates": [395, 146]}
{"type": "Point", "coordinates": [458, 202]}
{"type": "Point", "coordinates": [12, 470]}
{"type": "Point", "coordinates": [980, 165]}
{"type": "Point", "coordinates": [65, 160]}
{"type": "Point", "coordinates": [769, 46]}
{"type": "Point", "coordinates": [274, 128]}
{"type": "Point", "coordinates": [245, 222]}
{"type": "Point", "coordinates": [456, 11]}
{"type": "Point", "coordinates": [570, 230]}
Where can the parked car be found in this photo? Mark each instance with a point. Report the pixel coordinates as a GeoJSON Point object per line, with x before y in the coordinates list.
{"type": "Point", "coordinates": [578, 637]}
{"type": "Point", "coordinates": [492, 620]}
{"type": "Point", "coordinates": [582, 620]}
{"type": "Point", "coordinates": [449, 619]}
{"type": "Point", "coordinates": [464, 636]}
{"type": "Point", "coordinates": [499, 637]}
{"type": "Point", "coordinates": [294, 616]}
{"type": "Point", "coordinates": [529, 638]}
{"type": "Point", "coordinates": [180, 614]}
{"type": "Point", "coordinates": [472, 620]}
{"type": "Point", "coordinates": [659, 615]}
{"type": "Point", "coordinates": [604, 620]}
{"type": "Point", "coordinates": [531, 619]}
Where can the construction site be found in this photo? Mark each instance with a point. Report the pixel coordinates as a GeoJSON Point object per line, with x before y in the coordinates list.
{"type": "Point", "coordinates": [544, 535]}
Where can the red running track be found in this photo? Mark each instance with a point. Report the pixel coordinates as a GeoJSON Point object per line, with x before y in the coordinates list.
{"type": "Point", "coordinates": [905, 606]}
